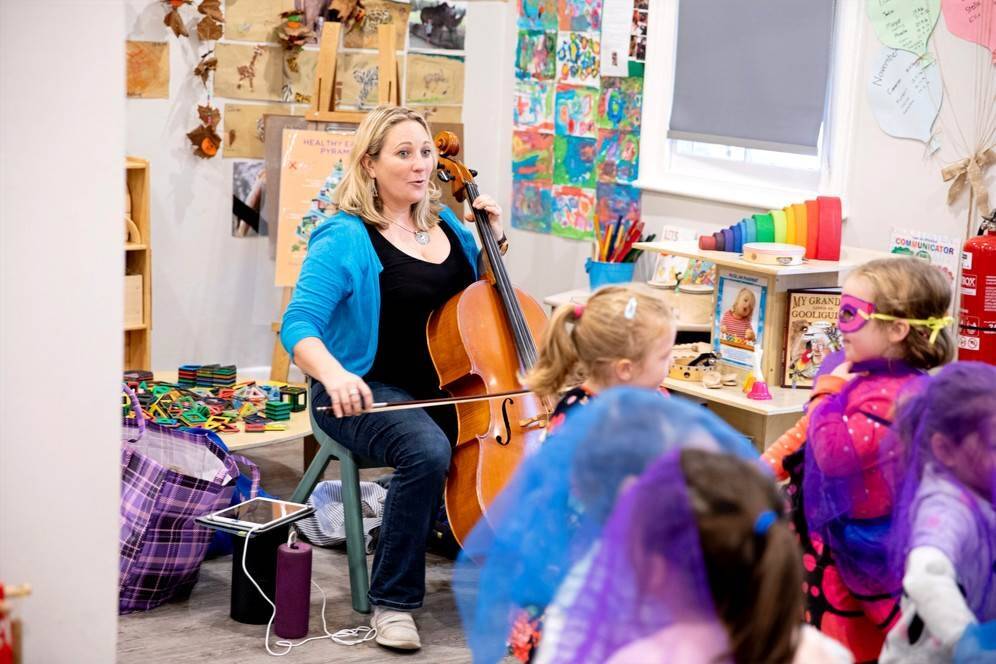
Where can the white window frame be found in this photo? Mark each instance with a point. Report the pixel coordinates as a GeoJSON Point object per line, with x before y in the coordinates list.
{"type": "Point", "coordinates": [662, 170]}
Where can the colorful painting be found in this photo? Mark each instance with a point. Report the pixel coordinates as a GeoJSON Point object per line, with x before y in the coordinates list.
{"type": "Point", "coordinates": [574, 161]}
{"type": "Point", "coordinates": [576, 111]}
{"type": "Point", "coordinates": [578, 57]}
{"type": "Point", "coordinates": [617, 200]}
{"type": "Point", "coordinates": [433, 79]}
{"type": "Point", "coordinates": [620, 104]}
{"type": "Point", "coordinates": [618, 156]}
{"type": "Point", "coordinates": [148, 69]}
{"type": "Point", "coordinates": [534, 56]}
{"type": "Point", "coordinates": [537, 14]}
{"type": "Point", "coordinates": [532, 203]}
{"type": "Point", "coordinates": [437, 24]}
{"type": "Point", "coordinates": [532, 105]}
{"type": "Point", "coordinates": [311, 165]}
{"type": "Point", "coordinates": [581, 15]}
{"type": "Point", "coordinates": [573, 212]}
{"type": "Point", "coordinates": [532, 155]}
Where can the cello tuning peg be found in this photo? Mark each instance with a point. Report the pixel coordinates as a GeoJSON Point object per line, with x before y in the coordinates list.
{"type": "Point", "coordinates": [473, 172]}
{"type": "Point", "coordinates": [444, 176]}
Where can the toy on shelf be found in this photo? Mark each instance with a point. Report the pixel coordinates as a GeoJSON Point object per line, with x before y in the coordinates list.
{"type": "Point", "coordinates": [815, 225]}
{"type": "Point", "coordinates": [758, 390]}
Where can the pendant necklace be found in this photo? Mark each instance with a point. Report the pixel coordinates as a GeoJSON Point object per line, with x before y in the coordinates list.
{"type": "Point", "coordinates": [422, 237]}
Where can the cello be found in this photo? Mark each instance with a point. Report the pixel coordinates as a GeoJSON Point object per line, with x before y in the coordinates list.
{"type": "Point", "coordinates": [481, 341]}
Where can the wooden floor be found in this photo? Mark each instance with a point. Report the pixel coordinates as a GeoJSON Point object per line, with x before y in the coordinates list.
{"type": "Point", "coordinates": [199, 629]}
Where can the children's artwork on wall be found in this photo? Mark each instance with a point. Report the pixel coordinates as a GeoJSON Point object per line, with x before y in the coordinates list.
{"type": "Point", "coordinates": [248, 72]}
{"type": "Point", "coordinates": [312, 163]}
{"type": "Point", "coordinates": [379, 12]}
{"type": "Point", "coordinates": [620, 104]}
{"type": "Point", "coordinates": [433, 79]}
{"type": "Point", "coordinates": [575, 111]}
{"type": "Point", "coordinates": [532, 155]}
{"type": "Point", "coordinates": [618, 156]}
{"type": "Point", "coordinates": [537, 15]}
{"type": "Point", "coordinates": [243, 128]}
{"type": "Point", "coordinates": [357, 73]}
{"type": "Point", "coordinates": [248, 181]}
{"type": "Point", "coordinates": [904, 24]}
{"type": "Point", "coordinates": [968, 20]}
{"type": "Point", "coordinates": [533, 105]}
{"type": "Point", "coordinates": [437, 24]}
{"type": "Point", "coordinates": [578, 58]}
{"type": "Point", "coordinates": [738, 327]}
{"type": "Point", "coordinates": [905, 94]}
{"type": "Point", "coordinates": [615, 201]}
{"type": "Point", "coordinates": [574, 161]}
{"type": "Point", "coordinates": [573, 212]}
{"type": "Point", "coordinates": [532, 205]}
{"type": "Point", "coordinates": [940, 251]}
{"type": "Point", "coordinates": [148, 69]}
{"type": "Point", "coordinates": [252, 20]}
{"type": "Point", "coordinates": [433, 114]}
{"type": "Point", "coordinates": [535, 55]}
{"type": "Point", "coordinates": [299, 81]}
{"type": "Point", "coordinates": [580, 15]}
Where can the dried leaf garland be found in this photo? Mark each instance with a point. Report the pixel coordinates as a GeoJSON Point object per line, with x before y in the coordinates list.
{"type": "Point", "coordinates": [208, 64]}
{"type": "Point", "coordinates": [173, 20]}
{"type": "Point", "coordinates": [211, 9]}
{"type": "Point", "coordinates": [205, 139]}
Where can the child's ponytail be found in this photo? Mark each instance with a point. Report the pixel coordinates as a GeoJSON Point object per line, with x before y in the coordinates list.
{"type": "Point", "coordinates": [558, 357]}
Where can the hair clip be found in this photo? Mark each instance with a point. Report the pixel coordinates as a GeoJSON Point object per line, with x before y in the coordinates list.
{"type": "Point", "coordinates": [763, 522]}
{"type": "Point", "coordinates": [629, 313]}
{"type": "Point", "coordinates": [578, 310]}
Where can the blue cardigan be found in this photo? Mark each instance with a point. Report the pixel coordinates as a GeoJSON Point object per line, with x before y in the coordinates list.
{"type": "Point", "coordinates": [337, 298]}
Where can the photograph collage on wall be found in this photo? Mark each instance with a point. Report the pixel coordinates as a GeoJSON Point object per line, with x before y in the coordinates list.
{"type": "Point", "coordinates": [576, 133]}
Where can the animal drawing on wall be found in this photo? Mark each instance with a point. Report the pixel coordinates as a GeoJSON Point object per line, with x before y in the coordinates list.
{"type": "Point", "coordinates": [436, 24]}
{"type": "Point", "coordinates": [247, 72]}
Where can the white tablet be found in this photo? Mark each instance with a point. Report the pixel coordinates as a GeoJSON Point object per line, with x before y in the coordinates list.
{"type": "Point", "coordinates": [260, 514]}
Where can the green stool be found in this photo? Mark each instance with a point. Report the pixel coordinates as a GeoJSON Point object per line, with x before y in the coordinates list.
{"type": "Point", "coordinates": [349, 467]}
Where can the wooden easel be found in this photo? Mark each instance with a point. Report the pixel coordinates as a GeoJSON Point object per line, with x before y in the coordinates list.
{"type": "Point", "coordinates": [323, 109]}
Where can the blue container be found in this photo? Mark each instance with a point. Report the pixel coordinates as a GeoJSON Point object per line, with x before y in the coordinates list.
{"type": "Point", "coordinates": [600, 273]}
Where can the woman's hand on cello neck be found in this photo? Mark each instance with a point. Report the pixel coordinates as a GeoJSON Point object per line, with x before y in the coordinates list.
{"type": "Point", "coordinates": [491, 207]}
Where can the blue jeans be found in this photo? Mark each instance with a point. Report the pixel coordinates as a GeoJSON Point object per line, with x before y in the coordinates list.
{"type": "Point", "coordinates": [414, 445]}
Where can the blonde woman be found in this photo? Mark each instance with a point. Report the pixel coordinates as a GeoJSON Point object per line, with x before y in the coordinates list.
{"type": "Point", "coordinates": [389, 256]}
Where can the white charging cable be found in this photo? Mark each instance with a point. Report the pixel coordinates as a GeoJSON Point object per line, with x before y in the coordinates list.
{"type": "Point", "coordinates": [344, 637]}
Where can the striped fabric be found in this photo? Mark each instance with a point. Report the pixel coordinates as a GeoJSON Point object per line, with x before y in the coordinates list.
{"type": "Point", "coordinates": [735, 327]}
{"type": "Point", "coordinates": [168, 477]}
{"type": "Point", "coordinates": [327, 526]}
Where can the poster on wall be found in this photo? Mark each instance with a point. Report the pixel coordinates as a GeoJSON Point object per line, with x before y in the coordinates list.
{"type": "Point", "coordinates": [738, 325]}
{"type": "Point", "coordinates": [242, 128]}
{"type": "Point", "coordinates": [148, 69]}
{"type": "Point", "coordinates": [312, 164]}
{"type": "Point", "coordinates": [249, 72]}
{"type": "Point", "coordinates": [377, 13]}
{"type": "Point", "coordinates": [252, 20]}
{"type": "Point", "coordinates": [938, 250]}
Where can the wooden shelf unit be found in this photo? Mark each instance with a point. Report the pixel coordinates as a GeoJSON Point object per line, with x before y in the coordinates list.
{"type": "Point", "coordinates": [138, 261]}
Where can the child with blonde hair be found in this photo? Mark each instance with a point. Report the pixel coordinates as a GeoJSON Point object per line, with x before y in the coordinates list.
{"type": "Point", "coordinates": [894, 323]}
{"type": "Point", "coordinates": [623, 335]}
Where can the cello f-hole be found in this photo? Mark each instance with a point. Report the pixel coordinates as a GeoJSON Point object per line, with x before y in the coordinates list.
{"type": "Point", "coordinates": [508, 425]}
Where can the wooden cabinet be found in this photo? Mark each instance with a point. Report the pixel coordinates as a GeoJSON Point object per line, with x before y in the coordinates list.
{"type": "Point", "coordinates": [138, 267]}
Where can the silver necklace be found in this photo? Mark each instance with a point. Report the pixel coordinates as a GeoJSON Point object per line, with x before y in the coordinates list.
{"type": "Point", "coordinates": [422, 237]}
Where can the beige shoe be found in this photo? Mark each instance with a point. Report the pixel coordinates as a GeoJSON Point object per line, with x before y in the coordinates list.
{"type": "Point", "coordinates": [712, 379]}
{"type": "Point", "coordinates": [395, 629]}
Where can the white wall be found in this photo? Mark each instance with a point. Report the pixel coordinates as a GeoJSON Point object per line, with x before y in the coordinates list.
{"type": "Point", "coordinates": [61, 263]}
{"type": "Point", "coordinates": [212, 299]}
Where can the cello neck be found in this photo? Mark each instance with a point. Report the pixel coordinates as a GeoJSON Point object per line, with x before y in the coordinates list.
{"type": "Point", "coordinates": [525, 346]}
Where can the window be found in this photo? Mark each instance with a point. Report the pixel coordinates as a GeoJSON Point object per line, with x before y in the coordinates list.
{"type": "Point", "coordinates": [746, 176]}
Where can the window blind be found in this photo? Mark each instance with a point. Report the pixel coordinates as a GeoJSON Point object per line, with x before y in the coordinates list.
{"type": "Point", "coordinates": [752, 73]}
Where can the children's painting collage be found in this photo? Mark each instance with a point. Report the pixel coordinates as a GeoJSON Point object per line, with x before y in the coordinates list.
{"type": "Point", "coordinates": [575, 147]}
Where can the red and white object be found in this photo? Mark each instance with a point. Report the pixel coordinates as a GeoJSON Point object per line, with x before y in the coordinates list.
{"type": "Point", "coordinates": [774, 253]}
{"type": "Point", "coordinates": [977, 310]}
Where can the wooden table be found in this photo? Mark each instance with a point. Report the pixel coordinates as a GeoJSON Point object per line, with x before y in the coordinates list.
{"type": "Point", "coordinates": [298, 427]}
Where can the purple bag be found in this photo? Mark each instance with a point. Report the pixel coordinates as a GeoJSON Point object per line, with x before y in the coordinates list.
{"type": "Point", "coordinates": [168, 478]}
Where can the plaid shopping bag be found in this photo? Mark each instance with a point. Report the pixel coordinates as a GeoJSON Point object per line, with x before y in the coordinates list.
{"type": "Point", "coordinates": [168, 478]}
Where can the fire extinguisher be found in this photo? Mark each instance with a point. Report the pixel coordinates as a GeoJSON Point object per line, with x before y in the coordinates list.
{"type": "Point", "coordinates": [977, 311]}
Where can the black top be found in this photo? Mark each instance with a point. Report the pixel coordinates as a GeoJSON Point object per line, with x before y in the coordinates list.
{"type": "Point", "coordinates": [411, 289]}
